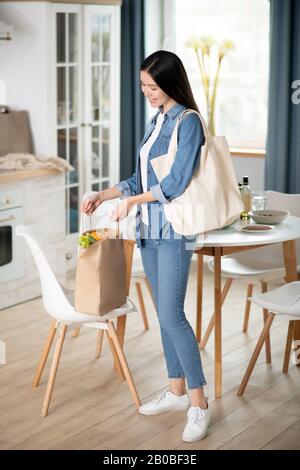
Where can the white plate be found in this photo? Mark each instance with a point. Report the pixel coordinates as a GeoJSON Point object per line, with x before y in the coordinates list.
{"type": "Point", "coordinates": [256, 228]}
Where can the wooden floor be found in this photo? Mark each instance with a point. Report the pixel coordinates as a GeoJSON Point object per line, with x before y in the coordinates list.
{"type": "Point", "coordinates": [92, 409]}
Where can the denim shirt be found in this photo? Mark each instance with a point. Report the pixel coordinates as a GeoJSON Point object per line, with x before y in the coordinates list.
{"type": "Point", "coordinates": [187, 159]}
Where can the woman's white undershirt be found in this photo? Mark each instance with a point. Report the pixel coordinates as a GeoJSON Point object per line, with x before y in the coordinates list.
{"type": "Point", "coordinates": [144, 153]}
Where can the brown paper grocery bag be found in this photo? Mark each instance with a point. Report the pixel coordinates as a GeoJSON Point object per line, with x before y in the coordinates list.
{"type": "Point", "coordinates": [101, 277]}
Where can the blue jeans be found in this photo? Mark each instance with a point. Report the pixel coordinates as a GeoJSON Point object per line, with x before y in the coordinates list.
{"type": "Point", "coordinates": [167, 264]}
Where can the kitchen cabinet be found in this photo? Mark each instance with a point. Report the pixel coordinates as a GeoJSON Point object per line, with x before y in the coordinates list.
{"type": "Point", "coordinates": [41, 210]}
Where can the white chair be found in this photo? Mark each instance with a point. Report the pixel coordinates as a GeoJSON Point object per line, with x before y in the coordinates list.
{"type": "Point", "coordinates": [63, 315]}
{"type": "Point", "coordinates": [282, 302]}
{"type": "Point", "coordinates": [256, 267]}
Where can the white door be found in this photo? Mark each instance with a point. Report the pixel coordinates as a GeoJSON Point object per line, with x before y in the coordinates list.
{"type": "Point", "coordinates": [87, 90]}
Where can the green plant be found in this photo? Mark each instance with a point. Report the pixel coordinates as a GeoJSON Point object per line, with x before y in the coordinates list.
{"type": "Point", "coordinates": [210, 54]}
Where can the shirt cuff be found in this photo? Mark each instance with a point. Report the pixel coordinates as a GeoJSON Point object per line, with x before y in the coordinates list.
{"type": "Point", "coordinates": [158, 194]}
{"type": "Point", "coordinates": [124, 187]}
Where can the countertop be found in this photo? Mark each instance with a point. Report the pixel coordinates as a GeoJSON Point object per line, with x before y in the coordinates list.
{"type": "Point", "coordinates": [7, 176]}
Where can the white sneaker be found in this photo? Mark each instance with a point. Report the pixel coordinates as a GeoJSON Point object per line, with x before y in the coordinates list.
{"type": "Point", "coordinates": [197, 424]}
{"type": "Point", "coordinates": [166, 401]}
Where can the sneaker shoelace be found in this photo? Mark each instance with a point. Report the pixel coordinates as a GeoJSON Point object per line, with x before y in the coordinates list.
{"type": "Point", "coordinates": [159, 398]}
{"type": "Point", "coordinates": [195, 415]}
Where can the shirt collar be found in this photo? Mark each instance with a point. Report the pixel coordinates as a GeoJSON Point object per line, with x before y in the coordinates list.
{"type": "Point", "coordinates": [172, 113]}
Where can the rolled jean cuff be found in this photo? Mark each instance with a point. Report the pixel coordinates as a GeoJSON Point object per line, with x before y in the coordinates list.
{"type": "Point", "coordinates": [192, 386]}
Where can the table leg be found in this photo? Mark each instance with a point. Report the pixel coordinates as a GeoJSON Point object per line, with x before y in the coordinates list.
{"type": "Point", "coordinates": [199, 296]}
{"type": "Point", "coordinates": [290, 261]}
{"type": "Point", "coordinates": [218, 322]}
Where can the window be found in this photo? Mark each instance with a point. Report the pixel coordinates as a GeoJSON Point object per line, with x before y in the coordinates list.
{"type": "Point", "coordinates": [241, 107]}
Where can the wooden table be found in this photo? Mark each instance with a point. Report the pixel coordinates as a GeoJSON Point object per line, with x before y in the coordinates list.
{"type": "Point", "coordinates": [227, 241]}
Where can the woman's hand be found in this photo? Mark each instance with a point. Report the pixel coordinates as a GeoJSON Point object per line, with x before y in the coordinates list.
{"type": "Point", "coordinates": [91, 203]}
{"type": "Point", "coordinates": [122, 210]}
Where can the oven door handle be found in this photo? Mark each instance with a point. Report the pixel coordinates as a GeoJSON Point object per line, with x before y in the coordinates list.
{"type": "Point", "coordinates": [8, 219]}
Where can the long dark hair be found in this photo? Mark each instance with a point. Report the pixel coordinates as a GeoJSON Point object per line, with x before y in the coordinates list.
{"type": "Point", "coordinates": [168, 72]}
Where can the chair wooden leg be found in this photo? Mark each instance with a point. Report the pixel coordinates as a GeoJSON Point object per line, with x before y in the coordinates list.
{"type": "Point", "coordinates": [256, 352]}
{"type": "Point", "coordinates": [117, 364]}
{"type": "Point", "coordinates": [150, 290]}
{"type": "Point", "coordinates": [121, 329]}
{"type": "Point", "coordinates": [142, 305]}
{"type": "Point", "coordinates": [247, 308]}
{"type": "Point", "coordinates": [264, 288]}
{"type": "Point", "coordinates": [45, 353]}
{"type": "Point", "coordinates": [99, 343]}
{"type": "Point", "coordinates": [76, 332]}
{"type": "Point", "coordinates": [212, 320]}
{"type": "Point", "coordinates": [122, 358]}
{"type": "Point", "coordinates": [288, 347]}
{"type": "Point", "coordinates": [53, 370]}
{"type": "Point", "coordinates": [199, 297]}
{"type": "Point", "coordinates": [290, 261]}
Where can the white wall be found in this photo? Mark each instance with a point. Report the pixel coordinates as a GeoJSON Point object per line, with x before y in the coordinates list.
{"type": "Point", "coordinates": [24, 63]}
{"type": "Point", "coordinates": [253, 167]}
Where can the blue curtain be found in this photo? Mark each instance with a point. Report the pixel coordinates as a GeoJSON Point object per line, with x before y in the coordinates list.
{"type": "Point", "coordinates": [132, 100]}
{"type": "Point", "coordinates": [282, 168]}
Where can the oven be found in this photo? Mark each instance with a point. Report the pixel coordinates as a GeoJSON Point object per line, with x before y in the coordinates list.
{"type": "Point", "coordinates": [11, 246]}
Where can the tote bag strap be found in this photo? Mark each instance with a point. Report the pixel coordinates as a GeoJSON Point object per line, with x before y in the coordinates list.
{"type": "Point", "coordinates": [174, 138]}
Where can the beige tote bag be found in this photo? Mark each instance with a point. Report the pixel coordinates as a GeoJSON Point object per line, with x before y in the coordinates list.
{"type": "Point", "coordinates": [212, 199]}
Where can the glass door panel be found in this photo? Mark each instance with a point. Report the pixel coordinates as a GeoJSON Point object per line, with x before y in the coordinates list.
{"type": "Point", "coordinates": [61, 96]}
{"type": "Point", "coordinates": [60, 37]}
{"type": "Point", "coordinates": [95, 93]}
{"type": "Point", "coordinates": [73, 147]}
{"type": "Point", "coordinates": [73, 37]}
{"type": "Point", "coordinates": [105, 150]}
{"type": "Point", "coordinates": [67, 120]}
{"type": "Point", "coordinates": [73, 95]}
{"type": "Point", "coordinates": [99, 115]}
{"type": "Point", "coordinates": [105, 93]}
{"type": "Point", "coordinates": [95, 153]}
{"type": "Point", "coordinates": [106, 31]}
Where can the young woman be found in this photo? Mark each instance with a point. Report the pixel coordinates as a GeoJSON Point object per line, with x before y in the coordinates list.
{"type": "Point", "coordinates": [166, 255]}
